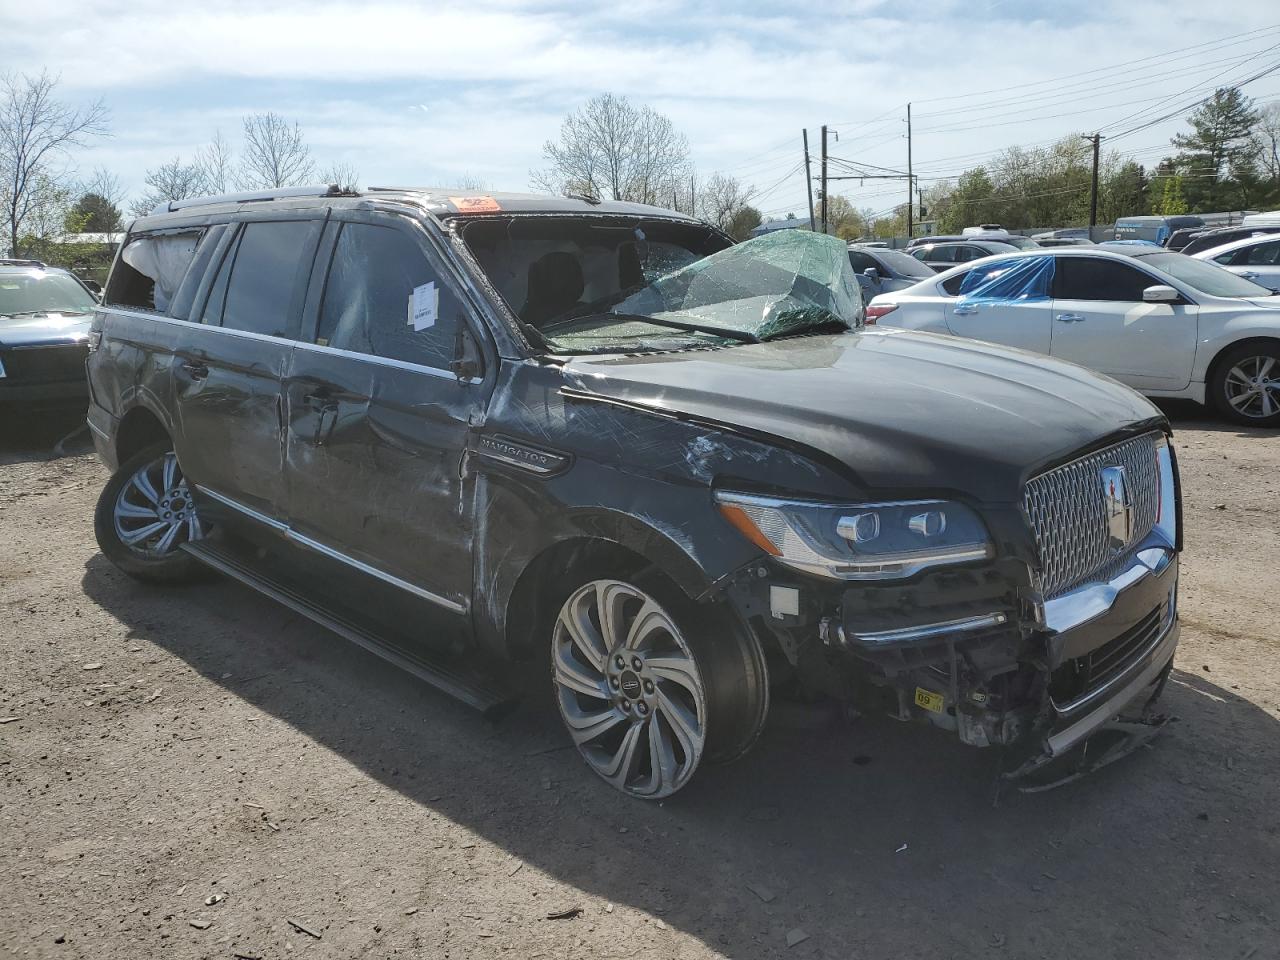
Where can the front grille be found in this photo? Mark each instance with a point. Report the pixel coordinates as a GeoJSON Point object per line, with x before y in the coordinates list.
{"type": "Point", "coordinates": [44, 364]}
{"type": "Point", "coordinates": [1081, 676]}
{"type": "Point", "coordinates": [1068, 513]}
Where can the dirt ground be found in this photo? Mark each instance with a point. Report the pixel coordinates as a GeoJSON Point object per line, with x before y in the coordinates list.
{"type": "Point", "coordinates": [177, 746]}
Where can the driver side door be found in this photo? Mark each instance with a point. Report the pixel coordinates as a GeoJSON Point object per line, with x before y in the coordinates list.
{"type": "Point", "coordinates": [1101, 321]}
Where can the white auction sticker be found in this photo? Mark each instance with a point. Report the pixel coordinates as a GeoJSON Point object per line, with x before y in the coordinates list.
{"type": "Point", "coordinates": [424, 306]}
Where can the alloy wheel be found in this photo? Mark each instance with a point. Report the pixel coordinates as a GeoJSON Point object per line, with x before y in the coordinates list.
{"type": "Point", "coordinates": [1252, 387]}
{"type": "Point", "coordinates": [629, 689]}
{"type": "Point", "coordinates": [153, 514]}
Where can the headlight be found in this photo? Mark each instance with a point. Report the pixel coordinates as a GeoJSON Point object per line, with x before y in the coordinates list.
{"type": "Point", "coordinates": [867, 541]}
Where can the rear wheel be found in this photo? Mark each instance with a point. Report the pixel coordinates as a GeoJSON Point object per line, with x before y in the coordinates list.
{"type": "Point", "coordinates": [649, 685]}
{"type": "Point", "coordinates": [145, 514]}
{"type": "Point", "coordinates": [1245, 386]}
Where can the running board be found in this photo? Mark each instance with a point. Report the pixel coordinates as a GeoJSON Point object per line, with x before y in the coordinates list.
{"type": "Point", "coordinates": [472, 689]}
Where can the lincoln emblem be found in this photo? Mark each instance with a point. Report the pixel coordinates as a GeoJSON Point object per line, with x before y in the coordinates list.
{"type": "Point", "coordinates": [1115, 499]}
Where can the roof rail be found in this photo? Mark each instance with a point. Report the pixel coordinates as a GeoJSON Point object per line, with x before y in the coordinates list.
{"type": "Point", "coordinates": [276, 193]}
{"type": "Point", "coordinates": [13, 262]}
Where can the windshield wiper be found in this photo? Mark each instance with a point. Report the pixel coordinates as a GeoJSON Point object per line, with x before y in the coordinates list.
{"type": "Point", "coordinates": [741, 336]}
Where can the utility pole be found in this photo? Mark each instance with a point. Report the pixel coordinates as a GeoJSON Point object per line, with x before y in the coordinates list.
{"type": "Point", "coordinates": [1096, 140]}
{"type": "Point", "coordinates": [824, 178]}
{"type": "Point", "coordinates": [910, 180]}
{"type": "Point", "coordinates": [808, 177]}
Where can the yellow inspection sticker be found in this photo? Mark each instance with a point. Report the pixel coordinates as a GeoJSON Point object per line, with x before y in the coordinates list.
{"type": "Point", "coordinates": [933, 702]}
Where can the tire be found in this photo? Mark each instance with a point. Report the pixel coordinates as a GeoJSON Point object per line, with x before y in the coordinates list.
{"type": "Point", "coordinates": [137, 503]}
{"type": "Point", "coordinates": [1245, 386]}
{"type": "Point", "coordinates": [655, 686]}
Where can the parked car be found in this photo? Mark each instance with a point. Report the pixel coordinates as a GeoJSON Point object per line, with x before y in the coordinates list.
{"type": "Point", "coordinates": [881, 270]}
{"type": "Point", "coordinates": [1208, 239]}
{"type": "Point", "coordinates": [514, 442]}
{"type": "Point", "coordinates": [1164, 323]}
{"type": "Point", "coordinates": [1064, 242]}
{"type": "Point", "coordinates": [1254, 258]}
{"type": "Point", "coordinates": [1000, 236]}
{"type": "Point", "coordinates": [44, 334]}
{"type": "Point", "coordinates": [947, 253]}
{"type": "Point", "coordinates": [1155, 229]}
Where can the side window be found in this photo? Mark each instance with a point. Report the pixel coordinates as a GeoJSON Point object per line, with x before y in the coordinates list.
{"type": "Point", "coordinates": [965, 254]}
{"type": "Point", "coordinates": [384, 297]}
{"type": "Point", "coordinates": [861, 261]}
{"type": "Point", "coordinates": [1088, 278]}
{"type": "Point", "coordinates": [263, 278]}
{"type": "Point", "coordinates": [186, 293]}
{"type": "Point", "coordinates": [151, 268]}
{"type": "Point", "coordinates": [938, 255]}
{"type": "Point", "coordinates": [953, 285]}
{"type": "Point", "coordinates": [1264, 254]}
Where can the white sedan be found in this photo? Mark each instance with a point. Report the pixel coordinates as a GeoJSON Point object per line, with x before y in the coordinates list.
{"type": "Point", "coordinates": [1254, 258]}
{"type": "Point", "coordinates": [1163, 323]}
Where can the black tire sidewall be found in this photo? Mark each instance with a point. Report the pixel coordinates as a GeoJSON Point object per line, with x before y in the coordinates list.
{"type": "Point", "coordinates": [1218, 389]}
{"type": "Point", "coordinates": [178, 567]}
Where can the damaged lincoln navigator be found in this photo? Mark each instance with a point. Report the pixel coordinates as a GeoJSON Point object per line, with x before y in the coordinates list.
{"type": "Point", "coordinates": [517, 443]}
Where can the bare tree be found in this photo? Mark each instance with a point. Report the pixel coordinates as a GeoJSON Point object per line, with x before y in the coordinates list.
{"type": "Point", "coordinates": [610, 147]}
{"type": "Point", "coordinates": [470, 183]}
{"type": "Point", "coordinates": [345, 175]}
{"type": "Point", "coordinates": [36, 132]}
{"type": "Point", "coordinates": [275, 153]}
{"type": "Point", "coordinates": [216, 162]}
{"type": "Point", "coordinates": [1266, 138]}
{"type": "Point", "coordinates": [721, 199]}
{"type": "Point", "coordinates": [174, 180]}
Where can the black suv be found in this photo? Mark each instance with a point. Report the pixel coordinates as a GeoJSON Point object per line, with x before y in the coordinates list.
{"type": "Point", "coordinates": [44, 333]}
{"type": "Point", "coordinates": [514, 441]}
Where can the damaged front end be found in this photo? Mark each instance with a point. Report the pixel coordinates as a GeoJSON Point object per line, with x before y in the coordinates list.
{"type": "Point", "coordinates": [1043, 650]}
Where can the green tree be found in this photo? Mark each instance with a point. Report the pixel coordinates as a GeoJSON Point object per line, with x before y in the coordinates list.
{"type": "Point", "coordinates": [94, 213]}
{"type": "Point", "coordinates": [745, 219]}
{"type": "Point", "coordinates": [1220, 147]}
{"type": "Point", "coordinates": [1172, 200]}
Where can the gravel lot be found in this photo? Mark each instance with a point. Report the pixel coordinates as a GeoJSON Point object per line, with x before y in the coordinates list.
{"type": "Point", "coordinates": [173, 747]}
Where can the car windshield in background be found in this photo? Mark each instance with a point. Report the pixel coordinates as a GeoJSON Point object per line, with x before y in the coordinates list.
{"type": "Point", "coordinates": [655, 285]}
{"type": "Point", "coordinates": [1022, 243]}
{"type": "Point", "coordinates": [904, 264]}
{"type": "Point", "coordinates": [36, 291]}
{"type": "Point", "coordinates": [1206, 277]}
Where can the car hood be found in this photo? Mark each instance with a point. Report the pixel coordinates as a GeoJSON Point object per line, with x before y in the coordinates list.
{"type": "Point", "coordinates": [44, 328]}
{"type": "Point", "coordinates": [903, 411]}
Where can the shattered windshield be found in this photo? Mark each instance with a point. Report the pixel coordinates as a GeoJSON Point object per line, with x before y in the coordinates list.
{"type": "Point", "coordinates": [662, 286]}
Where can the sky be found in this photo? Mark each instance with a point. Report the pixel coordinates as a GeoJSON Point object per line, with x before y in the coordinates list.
{"type": "Point", "coordinates": [427, 93]}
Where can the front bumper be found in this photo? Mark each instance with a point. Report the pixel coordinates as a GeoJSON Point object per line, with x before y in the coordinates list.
{"type": "Point", "coordinates": [43, 395]}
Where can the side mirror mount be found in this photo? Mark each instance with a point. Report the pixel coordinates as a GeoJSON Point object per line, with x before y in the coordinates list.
{"type": "Point", "coordinates": [95, 287]}
{"type": "Point", "coordinates": [1161, 293]}
{"type": "Point", "coordinates": [467, 364]}
{"type": "Point", "coordinates": [871, 273]}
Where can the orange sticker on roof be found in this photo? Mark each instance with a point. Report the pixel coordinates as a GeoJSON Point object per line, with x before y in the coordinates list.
{"type": "Point", "coordinates": [475, 204]}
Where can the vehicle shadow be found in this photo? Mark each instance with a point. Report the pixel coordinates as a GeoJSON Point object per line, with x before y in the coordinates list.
{"type": "Point", "coordinates": [48, 435]}
{"type": "Point", "coordinates": [876, 838]}
{"type": "Point", "coordinates": [1187, 414]}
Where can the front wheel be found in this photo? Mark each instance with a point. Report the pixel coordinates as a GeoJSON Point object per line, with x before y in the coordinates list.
{"type": "Point", "coordinates": [145, 514]}
{"type": "Point", "coordinates": [1245, 386]}
{"type": "Point", "coordinates": [649, 685]}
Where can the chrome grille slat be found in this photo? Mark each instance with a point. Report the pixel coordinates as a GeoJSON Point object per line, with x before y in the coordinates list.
{"type": "Point", "coordinates": [1068, 516]}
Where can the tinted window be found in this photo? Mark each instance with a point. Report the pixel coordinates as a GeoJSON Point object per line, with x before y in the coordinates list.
{"type": "Point", "coordinates": [936, 254]}
{"type": "Point", "coordinates": [377, 277]}
{"type": "Point", "coordinates": [861, 261]}
{"type": "Point", "coordinates": [1089, 278]}
{"type": "Point", "coordinates": [1263, 254]}
{"type": "Point", "coordinates": [262, 281]}
{"type": "Point", "coordinates": [967, 253]}
{"type": "Point", "coordinates": [903, 264]}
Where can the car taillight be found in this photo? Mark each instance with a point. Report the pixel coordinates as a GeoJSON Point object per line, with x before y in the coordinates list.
{"type": "Point", "coordinates": [877, 310]}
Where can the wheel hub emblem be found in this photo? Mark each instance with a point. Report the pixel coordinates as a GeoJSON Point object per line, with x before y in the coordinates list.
{"type": "Point", "coordinates": [630, 685]}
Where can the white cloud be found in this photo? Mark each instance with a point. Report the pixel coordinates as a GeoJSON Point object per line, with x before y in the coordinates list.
{"type": "Point", "coordinates": [414, 92]}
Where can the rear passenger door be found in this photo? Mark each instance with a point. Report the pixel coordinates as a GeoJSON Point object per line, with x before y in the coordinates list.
{"type": "Point", "coordinates": [1014, 323]}
{"type": "Point", "coordinates": [1101, 321]}
{"type": "Point", "coordinates": [1259, 262]}
{"type": "Point", "coordinates": [228, 370]}
{"type": "Point", "coordinates": [377, 421]}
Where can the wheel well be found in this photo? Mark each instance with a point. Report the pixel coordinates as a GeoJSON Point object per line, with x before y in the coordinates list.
{"type": "Point", "coordinates": [535, 599]}
{"type": "Point", "coordinates": [1216, 363]}
{"type": "Point", "coordinates": [139, 429]}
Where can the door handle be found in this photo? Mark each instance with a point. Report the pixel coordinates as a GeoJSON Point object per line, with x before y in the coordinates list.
{"type": "Point", "coordinates": [964, 309]}
{"type": "Point", "coordinates": [1070, 317]}
{"type": "Point", "coordinates": [1249, 275]}
{"type": "Point", "coordinates": [197, 370]}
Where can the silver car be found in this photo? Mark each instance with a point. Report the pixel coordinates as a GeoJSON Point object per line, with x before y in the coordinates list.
{"type": "Point", "coordinates": [881, 270]}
